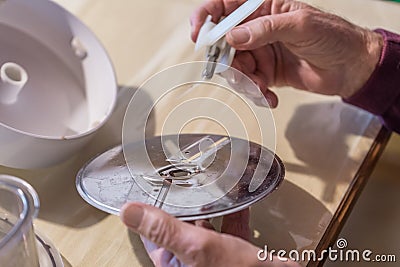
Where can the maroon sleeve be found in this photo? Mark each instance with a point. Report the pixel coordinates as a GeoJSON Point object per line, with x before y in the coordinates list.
{"type": "Point", "coordinates": [381, 94]}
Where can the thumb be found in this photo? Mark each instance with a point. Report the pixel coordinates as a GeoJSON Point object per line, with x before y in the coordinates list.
{"type": "Point", "coordinates": [237, 224]}
{"type": "Point", "coordinates": [268, 29]}
{"type": "Point", "coordinates": [163, 229]}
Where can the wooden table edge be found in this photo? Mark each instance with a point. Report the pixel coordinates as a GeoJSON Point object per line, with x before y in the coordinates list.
{"type": "Point", "coordinates": [351, 196]}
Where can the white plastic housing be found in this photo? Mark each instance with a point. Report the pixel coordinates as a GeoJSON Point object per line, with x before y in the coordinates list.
{"type": "Point", "coordinates": [13, 77]}
{"type": "Point", "coordinates": [71, 89]}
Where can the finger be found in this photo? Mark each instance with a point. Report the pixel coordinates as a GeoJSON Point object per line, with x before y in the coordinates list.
{"type": "Point", "coordinates": [204, 224]}
{"type": "Point", "coordinates": [246, 61]}
{"type": "Point", "coordinates": [236, 72]}
{"type": "Point", "coordinates": [215, 8]}
{"type": "Point", "coordinates": [181, 239]}
{"type": "Point", "coordinates": [267, 99]}
{"type": "Point", "coordinates": [266, 61]}
{"type": "Point", "coordinates": [286, 27]}
{"type": "Point", "coordinates": [250, 87]}
{"type": "Point", "coordinates": [152, 223]}
{"type": "Point", "coordinates": [260, 101]}
{"type": "Point", "coordinates": [271, 98]}
{"type": "Point", "coordinates": [242, 65]}
{"type": "Point", "coordinates": [259, 93]}
{"type": "Point", "coordinates": [260, 80]}
{"type": "Point", "coordinates": [237, 224]}
{"type": "Point", "coordinates": [234, 77]}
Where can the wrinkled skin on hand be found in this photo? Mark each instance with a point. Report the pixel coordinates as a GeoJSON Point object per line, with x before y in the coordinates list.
{"type": "Point", "coordinates": [291, 43]}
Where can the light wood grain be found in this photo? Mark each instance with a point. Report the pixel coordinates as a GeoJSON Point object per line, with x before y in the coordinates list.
{"type": "Point", "coordinates": [321, 140]}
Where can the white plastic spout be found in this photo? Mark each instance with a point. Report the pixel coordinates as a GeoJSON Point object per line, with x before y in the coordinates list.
{"type": "Point", "coordinates": [13, 78]}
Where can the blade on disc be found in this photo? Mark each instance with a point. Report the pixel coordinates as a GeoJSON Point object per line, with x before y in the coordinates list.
{"type": "Point", "coordinates": [107, 183]}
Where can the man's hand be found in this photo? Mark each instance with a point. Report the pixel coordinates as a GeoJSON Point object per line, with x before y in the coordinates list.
{"type": "Point", "coordinates": [291, 43]}
{"type": "Point", "coordinates": [171, 242]}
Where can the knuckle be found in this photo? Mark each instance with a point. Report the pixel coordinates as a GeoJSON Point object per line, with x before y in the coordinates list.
{"type": "Point", "coordinates": [262, 30]}
{"type": "Point", "coordinates": [162, 232]}
{"type": "Point", "coordinates": [266, 25]}
{"type": "Point", "coordinates": [199, 248]}
{"type": "Point", "coordinates": [305, 16]}
{"type": "Point", "coordinates": [205, 249]}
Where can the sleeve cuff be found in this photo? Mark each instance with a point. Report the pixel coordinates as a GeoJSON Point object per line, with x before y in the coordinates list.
{"type": "Point", "coordinates": [383, 87]}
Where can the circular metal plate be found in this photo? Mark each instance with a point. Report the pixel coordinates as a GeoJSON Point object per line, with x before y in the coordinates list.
{"type": "Point", "coordinates": [107, 183]}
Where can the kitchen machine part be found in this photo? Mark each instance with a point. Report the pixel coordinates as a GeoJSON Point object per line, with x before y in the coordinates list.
{"type": "Point", "coordinates": [107, 183]}
{"type": "Point", "coordinates": [19, 205]}
{"type": "Point", "coordinates": [57, 84]}
{"type": "Point", "coordinates": [48, 254]}
{"type": "Point", "coordinates": [212, 36]}
{"type": "Point", "coordinates": [19, 244]}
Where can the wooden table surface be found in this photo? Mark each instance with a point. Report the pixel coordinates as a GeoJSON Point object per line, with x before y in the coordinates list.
{"type": "Point", "coordinates": [321, 141]}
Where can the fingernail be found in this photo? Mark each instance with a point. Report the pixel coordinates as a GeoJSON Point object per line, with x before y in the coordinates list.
{"type": "Point", "coordinates": [240, 35]}
{"type": "Point", "coordinates": [132, 215]}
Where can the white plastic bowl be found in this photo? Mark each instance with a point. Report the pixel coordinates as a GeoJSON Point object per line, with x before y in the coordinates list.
{"type": "Point", "coordinates": [57, 84]}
